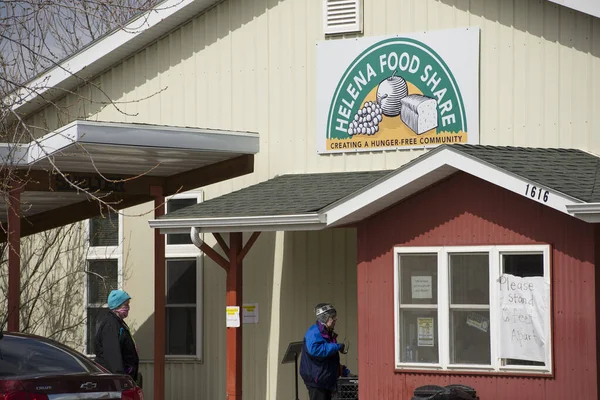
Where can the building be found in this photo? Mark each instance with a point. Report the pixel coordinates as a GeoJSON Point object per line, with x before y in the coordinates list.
{"type": "Point", "coordinates": [350, 224]}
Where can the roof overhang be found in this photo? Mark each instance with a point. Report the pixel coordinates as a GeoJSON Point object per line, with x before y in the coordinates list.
{"type": "Point", "coordinates": [119, 163]}
{"type": "Point", "coordinates": [425, 171]}
{"type": "Point", "coordinates": [105, 52]}
{"type": "Point", "coordinates": [588, 212]}
{"type": "Point", "coordinates": [429, 169]}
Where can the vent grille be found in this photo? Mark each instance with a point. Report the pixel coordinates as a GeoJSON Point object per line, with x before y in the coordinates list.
{"type": "Point", "coordinates": [342, 16]}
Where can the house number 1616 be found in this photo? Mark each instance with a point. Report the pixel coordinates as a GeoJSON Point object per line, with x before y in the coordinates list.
{"type": "Point", "coordinates": [537, 193]}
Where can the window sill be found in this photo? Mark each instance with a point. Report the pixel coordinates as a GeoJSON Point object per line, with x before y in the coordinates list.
{"type": "Point", "coordinates": [474, 371]}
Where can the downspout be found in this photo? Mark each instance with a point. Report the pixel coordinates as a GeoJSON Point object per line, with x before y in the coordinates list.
{"type": "Point", "coordinates": [195, 235]}
{"type": "Point", "coordinates": [197, 241]}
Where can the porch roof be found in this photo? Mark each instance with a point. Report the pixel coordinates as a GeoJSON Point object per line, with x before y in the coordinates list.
{"type": "Point", "coordinates": [119, 162]}
{"type": "Point", "coordinates": [564, 179]}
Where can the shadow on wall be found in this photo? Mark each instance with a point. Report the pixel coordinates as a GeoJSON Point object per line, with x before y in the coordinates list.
{"type": "Point", "coordinates": [444, 202]}
{"type": "Point", "coordinates": [540, 18]}
{"type": "Point", "coordinates": [318, 267]}
{"type": "Point", "coordinates": [207, 28]}
{"type": "Point", "coordinates": [206, 379]}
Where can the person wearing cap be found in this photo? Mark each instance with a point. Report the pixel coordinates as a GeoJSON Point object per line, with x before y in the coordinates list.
{"type": "Point", "coordinates": [320, 365]}
{"type": "Point", "coordinates": [115, 347]}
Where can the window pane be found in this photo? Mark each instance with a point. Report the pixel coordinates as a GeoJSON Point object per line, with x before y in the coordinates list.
{"type": "Point", "coordinates": [418, 278]}
{"type": "Point", "coordinates": [181, 281]}
{"type": "Point", "coordinates": [23, 356]}
{"type": "Point", "coordinates": [470, 337]}
{"type": "Point", "coordinates": [523, 265]}
{"type": "Point", "coordinates": [104, 230]}
{"type": "Point", "coordinates": [102, 278]}
{"type": "Point", "coordinates": [172, 206]}
{"type": "Point", "coordinates": [419, 336]}
{"type": "Point", "coordinates": [469, 279]}
{"type": "Point", "coordinates": [181, 330]}
{"type": "Point", "coordinates": [94, 315]}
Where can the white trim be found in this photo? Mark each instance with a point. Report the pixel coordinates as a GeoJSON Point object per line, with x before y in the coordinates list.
{"type": "Point", "coordinates": [105, 52]}
{"type": "Point", "coordinates": [495, 253]}
{"type": "Point", "coordinates": [130, 135]}
{"type": "Point", "coordinates": [429, 169]}
{"type": "Point", "coordinates": [588, 212]}
{"type": "Point", "coordinates": [298, 222]}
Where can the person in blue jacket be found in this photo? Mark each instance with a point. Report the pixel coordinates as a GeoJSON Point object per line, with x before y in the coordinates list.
{"type": "Point", "coordinates": [320, 365]}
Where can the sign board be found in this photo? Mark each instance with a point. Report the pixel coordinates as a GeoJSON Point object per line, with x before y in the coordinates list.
{"type": "Point", "coordinates": [233, 316]}
{"type": "Point", "coordinates": [523, 321]}
{"type": "Point", "coordinates": [250, 313]}
{"type": "Point", "coordinates": [425, 332]}
{"type": "Point", "coordinates": [404, 91]}
{"type": "Point", "coordinates": [421, 287]}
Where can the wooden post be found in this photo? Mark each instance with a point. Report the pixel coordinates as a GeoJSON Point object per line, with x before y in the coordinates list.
{"type": "Point", "coordinates": [234, 335]}
{"type": "Point", "coordinates": [14, 257]}
{"type": "Point", "coordinates": [233, 267]}
{"type": "Point", "coordinates": [159, 297]}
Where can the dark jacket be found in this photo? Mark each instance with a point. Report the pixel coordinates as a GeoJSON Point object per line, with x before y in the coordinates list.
{"type": "Point", "coordinates": [115, 348]}
{"type": "Point", "coordinates": [320, 364]}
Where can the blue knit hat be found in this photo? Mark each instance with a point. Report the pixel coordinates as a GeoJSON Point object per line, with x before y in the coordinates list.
{"type": "Point", "coordinates": [116, 298]}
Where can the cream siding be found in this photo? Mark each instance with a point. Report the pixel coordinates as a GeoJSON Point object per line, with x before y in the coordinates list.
{"type": "Point", "coordinates": [250, 65]}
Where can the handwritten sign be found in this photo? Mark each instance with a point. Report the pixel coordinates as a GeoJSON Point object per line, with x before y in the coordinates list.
{"type": "Point", "coordinates": [421, 287]}
{"type": "Point", "coordinates": [524, 303]}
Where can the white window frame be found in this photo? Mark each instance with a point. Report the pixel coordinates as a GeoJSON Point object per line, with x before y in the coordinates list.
{"type": "Point", "coordinates": [183, 251]}
{"type": "Point", "coordinates": [101, 253]}
{"type": "Point", "coordinates": [443, 308]}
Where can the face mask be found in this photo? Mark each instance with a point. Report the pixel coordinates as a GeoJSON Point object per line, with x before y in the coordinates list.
{"type": "Point", "coordinates": [122, 312]}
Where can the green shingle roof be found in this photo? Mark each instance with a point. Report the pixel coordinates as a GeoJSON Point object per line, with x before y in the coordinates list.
{"type": "Point", "coordinates": [282, 195]}
{"type": "Point", "coordinates": [569, 171]}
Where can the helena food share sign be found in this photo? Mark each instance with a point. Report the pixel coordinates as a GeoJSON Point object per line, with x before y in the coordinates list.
{"type": "Point", "coordinates": [406, 91]}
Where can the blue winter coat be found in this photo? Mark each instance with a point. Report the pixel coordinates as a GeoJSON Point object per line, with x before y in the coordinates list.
{"type": "Point", "coordinates": [320, 363]}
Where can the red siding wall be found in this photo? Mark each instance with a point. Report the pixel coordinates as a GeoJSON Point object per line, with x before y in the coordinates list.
{"type": "Point", "coordinates": [464, 210]}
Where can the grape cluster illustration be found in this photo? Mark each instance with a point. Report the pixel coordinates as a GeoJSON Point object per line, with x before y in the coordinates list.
{"type": "Point", "coordinates": [367, 119]}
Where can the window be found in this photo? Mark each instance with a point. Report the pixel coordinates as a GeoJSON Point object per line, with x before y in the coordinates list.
{"type": "Point", "coordinates": [102, 278]}
{"type": "Point", "coordinates": [473, 308]}
{"type": "Point", "coordinates": [22, 356]}
{"type": "Point", "coordinates": [181, 306]}
{"type": "Point", "coordinates": [104, 230]}
{"type": "Point", "coordinates": [173, 205]}
{"type": "Point", "coordinates": [104, 270]}
{"type": "Point", "coordinates": [184, 288]}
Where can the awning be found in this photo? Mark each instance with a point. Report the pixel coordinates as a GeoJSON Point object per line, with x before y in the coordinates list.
{"type": "Point", "coordinates": [119, 162]}
{"type": "Point", "coordinates": [563, 179]}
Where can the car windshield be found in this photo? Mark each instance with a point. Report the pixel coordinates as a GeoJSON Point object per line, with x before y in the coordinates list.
{"type": "Point", "coordinates": [29, 356]}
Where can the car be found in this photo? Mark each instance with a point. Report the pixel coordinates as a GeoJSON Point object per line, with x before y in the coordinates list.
{"type": "Point", "coordinates": [37, 368]}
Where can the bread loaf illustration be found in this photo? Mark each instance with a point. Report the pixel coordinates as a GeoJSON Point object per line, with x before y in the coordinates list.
{"type": "Point", "coordinates": [419, 113]}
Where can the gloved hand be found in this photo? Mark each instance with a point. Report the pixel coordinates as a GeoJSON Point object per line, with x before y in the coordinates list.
{"type": "Point", "coordinates": [342, 347]}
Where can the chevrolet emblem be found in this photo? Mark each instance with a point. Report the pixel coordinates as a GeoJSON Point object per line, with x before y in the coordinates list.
{"type": "Point", "coordinates": [88, 385]}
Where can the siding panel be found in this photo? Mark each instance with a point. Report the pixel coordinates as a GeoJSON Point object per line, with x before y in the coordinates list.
{"type": "Point", "coordinates": [490, 215]}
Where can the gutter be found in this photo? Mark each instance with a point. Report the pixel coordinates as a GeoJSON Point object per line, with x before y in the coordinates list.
{"type": "Point", "coordinates": [311, 221]}
{"type": "Point", "coordinates": [588, 212]}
